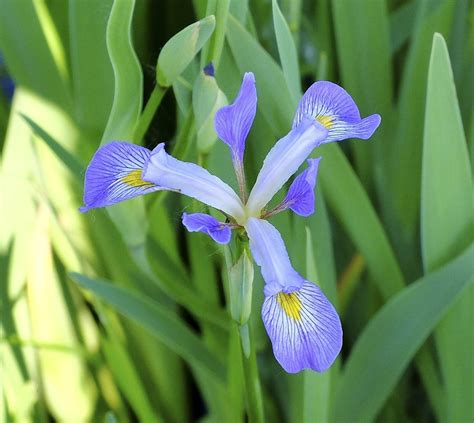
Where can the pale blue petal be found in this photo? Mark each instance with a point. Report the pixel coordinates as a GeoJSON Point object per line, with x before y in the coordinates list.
{"type": "Point", "coordinates": [233, 122]}
{"type": "Point", "coordinates": [192, 180]}
{"type": "Point", "coordinates": [331, 105]}
{"type": "Point", "coordinates": [201, 222]}
{"type": "Point", "coordinates": [304, 328]}
{"type": "Point", "coordinates": [269, 252]}
{"type": "Point", "coordinates": [115, 174]}
{"type": "Point", "coordinates": [300, 196]}
{"type": "Point", "coordinates": [283, 161]}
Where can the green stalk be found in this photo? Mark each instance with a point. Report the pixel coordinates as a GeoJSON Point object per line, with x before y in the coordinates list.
{"type": "Point", "coordinates": [253, 390]}
{"type": "Point", "coordinates": [147, 116]}
{"type": "Point", "coordinates": [240, 278]}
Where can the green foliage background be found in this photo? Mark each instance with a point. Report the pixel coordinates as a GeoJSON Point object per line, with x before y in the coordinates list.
{"type": "Point", "coordinates": [121, 315]}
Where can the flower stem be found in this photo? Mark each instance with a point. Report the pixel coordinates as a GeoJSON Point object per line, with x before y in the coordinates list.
{"type": "Point", "coordinates": [147, 116]}
{"type": "Point", "coordinates": [253, 390]}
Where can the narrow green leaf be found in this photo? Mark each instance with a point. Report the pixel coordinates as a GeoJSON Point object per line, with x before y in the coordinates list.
{"type": "Point", "coordinates": [366, 70]}
{"type": "Point", "coordinates": [402, 22]}
{"type": "Point", "coordinates": [128, 85]}
{"type": "Point", "coordinates": [393, 336]}
{"type": "Point", "coordinates": [278, 105]}
{"type": "Point", "coordinates": [447, 224]}
{"type": "Point", "coordinates": [447, 207]}
{"type": "Point", "coordinates": [316, 386]}
{"type": "Point", "coordinates": [128, 379]}
{"type": "Point", "coordinates": [187, 42]}
{"type": "Point", "coordinates": [91, 70]}
{"type": "Point", "coordinates": [160, 323]}
{"type": "Point", "coordinates": [69, 389]}
{"type": "Point", "coordinates": [213, 50]}
{"type": "Point", "coordinates": [407, 146]}
{"type": "Point", "coordinates": [61, 153]}
{"type": "Point", "coordinates": [287, 51]}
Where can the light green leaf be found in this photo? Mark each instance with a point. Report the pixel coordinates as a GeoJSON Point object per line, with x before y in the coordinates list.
{"type": "Point", "coordinates": [69, 161]}
{"type": "Point", "coordinates": [316, 386]}
{"type": "Point", "coordinates": [287, 51]}
{"type": "Point", "coordinates": [128, 379]}
{"type": "Point", "coordinates": [406, 147]}
{"type": "Point", "coordinates": [128, 85]}
{"type": "Point", "coordinates": [91, 70]}
{"type": "Point", "coordinates": [447, 207]}
{"type": "Point", "coordinates": [69, 389]}
{"type": "Point", "coordinates": [178, 52]}
{"type": "Point", "coordinates": [160, 323]}
{"type": "Point", "coordinates": [447, 224]}
{"type": "Point", "coordinates": [393, 336]}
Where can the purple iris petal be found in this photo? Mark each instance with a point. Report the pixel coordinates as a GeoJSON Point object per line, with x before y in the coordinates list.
{"type": "Point", "coordinates": [269, 252]}
{"type": "Point", "coordinates": [201, 222]}
{"type": "Point", "coordinates": [233, 122]}
{"type": "Point", "coordinates": [115, 174]}
{"type": "Point", "coordinates": [300, 196]}
{"type": "Point", "coordinates": [192, 180]}
{"type": "Point", "coordinates": [283, 161]}
{"type": "Point", "coordinates": [334, 108]}
{"type": "Point", "coordinates": [304, 328]}
{"type": "Point", "coordinates": [302, 324]}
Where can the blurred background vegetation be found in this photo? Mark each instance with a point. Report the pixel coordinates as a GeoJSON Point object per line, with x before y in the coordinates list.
{"type": "Point", "coordinates": [121, 315]}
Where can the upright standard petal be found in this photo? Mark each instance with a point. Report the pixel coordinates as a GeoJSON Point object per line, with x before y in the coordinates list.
{"type": "Point", "coordinates": [115, 174]}
{"type": "Point", "coordinates": [300, 196]}
{"type": "Point", "coordinates": [304, 328]}
{"type": "Point", "coordinates": [283, 160]}
{"type": "Point", "coordinates": [192, 180]}
{"type": "Point", "coordinates": [334, 108]}
{"type": "Point", "coordinates": [269, 252]}
{"type": "Point", "coordinates": [201, 222]}
{"type": "Point", "coordinates": [233, 122]}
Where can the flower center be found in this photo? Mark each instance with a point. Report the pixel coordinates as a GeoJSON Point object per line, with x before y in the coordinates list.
{"type": "Point", "coordinates": [134, 179]}
{"type": "Point", "coordinates": [291, 304]}
{"type": "Point", "coordinates": [326, 121]}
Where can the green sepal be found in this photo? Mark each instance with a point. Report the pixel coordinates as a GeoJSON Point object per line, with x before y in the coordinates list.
{"type": "Point", "coordinates": [181, 49]}
{"type": "Point", "coordinates": [240, 286]}
{"type": "Point", "coordinates": [207, 100]}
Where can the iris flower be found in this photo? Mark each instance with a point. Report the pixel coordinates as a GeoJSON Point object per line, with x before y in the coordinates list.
{"type": "Point", "coordinates": [303, 326]}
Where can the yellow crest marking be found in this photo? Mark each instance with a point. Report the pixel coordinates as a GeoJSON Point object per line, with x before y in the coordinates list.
{"type": "Point", "coordinates": [291, 304]}
{"type": "Point", "coordinates": [326, 121]}
{"type": "Point", "coordinates": [134, 179]}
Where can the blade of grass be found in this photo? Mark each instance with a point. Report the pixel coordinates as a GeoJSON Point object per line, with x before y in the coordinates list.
{"type": "Point", "coordinates": [317, 387]}
{"type": "Point", "coordinates": [363, 47]}
{"type": "Point", "coordinates": [287, 51]}
{"type": "Point", "coordinates": [91, 69]}
{"type": "Point", "coordinates": [447, 224]}
{"type": "Point", "coordinates": [404, 186]}
{"type": "Point", "coordinates": [160, 323]}
{"type": "Point", "coordinates": [69, 389]}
